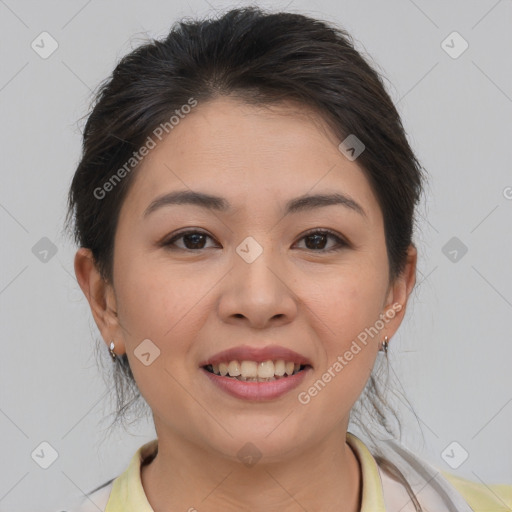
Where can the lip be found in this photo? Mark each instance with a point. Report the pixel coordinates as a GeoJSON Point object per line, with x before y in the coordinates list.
{"type": "Point", "coordinates": [257, 391]}
{"type": "Point", "coordinates": [257, 354]}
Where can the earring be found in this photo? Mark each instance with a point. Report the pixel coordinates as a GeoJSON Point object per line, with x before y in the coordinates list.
{"type": "Point", "coordinates": [384, 346]}
{"type": "Point", "coordinates": [111, 350]}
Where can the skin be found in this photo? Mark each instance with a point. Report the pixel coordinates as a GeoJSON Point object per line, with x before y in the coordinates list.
{"type": "Point", "coordinates": [193, 304]}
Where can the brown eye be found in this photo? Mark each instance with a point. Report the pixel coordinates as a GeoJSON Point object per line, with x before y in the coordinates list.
{"type": "Point", "coordinates": [317, 240]}
{"type": "Point", "coordinates": [192, 240]}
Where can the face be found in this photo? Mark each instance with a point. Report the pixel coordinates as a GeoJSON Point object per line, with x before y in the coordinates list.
{"type": "Point", "coordinates": [262, 273]}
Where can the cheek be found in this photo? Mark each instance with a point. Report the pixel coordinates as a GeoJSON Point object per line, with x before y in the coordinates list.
{"type": "Point", "coordinates": [155, 302]}
{"type": "Point", "coordinates": [345, 312]}
{"type": "Point", "coordinates": [348, 302]}
{"type": "Point", "coordinates": [157, 306]}
{"type": "Point", "coordinates": [346, 309]}
{"type": "Point", "coordinates": [168, 305]}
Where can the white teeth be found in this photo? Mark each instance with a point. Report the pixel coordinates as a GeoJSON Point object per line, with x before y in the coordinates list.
{"type": "Point", "coordinates": [223, 369]}
{"type": "Point", "coordinates": [256, 371]}
{"type": "Point", "coordinates": [279, 367]}
{"type": "Point", "coordinates": [234, 369]}
{"type": "Point", "coordinates": [266, 369]}
{"type": "Point", "coordinates": [249, 369]}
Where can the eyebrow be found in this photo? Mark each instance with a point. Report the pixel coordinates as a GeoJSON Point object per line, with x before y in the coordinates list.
{"type": "Point", "coordinates": [211, 202]}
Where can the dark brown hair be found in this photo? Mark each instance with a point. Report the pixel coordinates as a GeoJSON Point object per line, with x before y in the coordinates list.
{"type": "Point", "coordinates": [261, 58]}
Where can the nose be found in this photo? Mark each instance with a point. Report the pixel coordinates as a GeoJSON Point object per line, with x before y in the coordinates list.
{"type": "Point", "coordinates": [257, 293]}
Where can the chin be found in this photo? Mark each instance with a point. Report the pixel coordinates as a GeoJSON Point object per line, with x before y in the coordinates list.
{"type": "Point", "coordinates": [268, 438]}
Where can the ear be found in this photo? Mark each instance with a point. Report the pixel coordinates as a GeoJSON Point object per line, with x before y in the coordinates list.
{"type": "Point", "coordinates": [398, 293]}
{"type": "Point", "coordinates": [101, 298]}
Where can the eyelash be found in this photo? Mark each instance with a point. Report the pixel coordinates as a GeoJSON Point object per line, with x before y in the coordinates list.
{"type": "Point", "coordinates": [340, 243]}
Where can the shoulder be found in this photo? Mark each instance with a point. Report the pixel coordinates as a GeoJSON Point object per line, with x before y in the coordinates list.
{"type": "Point", "coordinates": [482, 497]}
{"type": "Point", "coordinates": [119, 491]}
{"type": "Point", "coordinates": [434, 486]}
{"type": "Point", "coordinates": [95, 501]}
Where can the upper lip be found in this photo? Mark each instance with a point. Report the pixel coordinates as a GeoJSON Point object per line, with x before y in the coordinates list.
{"type": "Point", "coordinates": [257, 354]}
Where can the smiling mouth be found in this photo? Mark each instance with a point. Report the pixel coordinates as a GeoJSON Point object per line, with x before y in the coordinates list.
{"type": "Point", "coordinates": [252, 371]}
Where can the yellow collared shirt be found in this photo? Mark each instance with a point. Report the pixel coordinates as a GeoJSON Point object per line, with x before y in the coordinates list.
{"type": "Point", "coordinates": [380, 493]}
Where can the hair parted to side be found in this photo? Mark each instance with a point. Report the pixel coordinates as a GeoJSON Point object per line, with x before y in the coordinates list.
{"type": "Point", "coordinates": [261, 58]}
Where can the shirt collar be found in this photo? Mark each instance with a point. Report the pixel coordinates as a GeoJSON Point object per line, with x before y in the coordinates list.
{"type": "Point", "coordinates": [128, 495]}
{"type": "Point", "coordinates": [372, 496]}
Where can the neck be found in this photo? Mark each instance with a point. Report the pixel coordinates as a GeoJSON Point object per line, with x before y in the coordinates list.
{"type": "Point", "coordinates": [183, 476]}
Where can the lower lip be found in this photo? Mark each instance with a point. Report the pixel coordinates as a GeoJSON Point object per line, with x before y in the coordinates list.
{"type": "Point", "coordinates": [257, 391]}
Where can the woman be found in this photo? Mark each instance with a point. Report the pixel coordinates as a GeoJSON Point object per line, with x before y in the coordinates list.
{"type": "Point", "coordinates": [244, 209]}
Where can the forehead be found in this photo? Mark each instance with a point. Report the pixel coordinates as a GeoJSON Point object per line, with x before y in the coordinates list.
{"type": "Point", "coordinates": [252, 155]}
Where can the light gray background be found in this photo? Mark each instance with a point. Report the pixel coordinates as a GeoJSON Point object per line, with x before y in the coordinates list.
{"type": "Point", "coordinates": [452, 356]}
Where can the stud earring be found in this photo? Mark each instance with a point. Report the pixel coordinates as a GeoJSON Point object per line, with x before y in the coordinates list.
{"type": "Point", "coordinates": [384, 346]}
{"type": "Point", "coordinates": [111, 350]}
